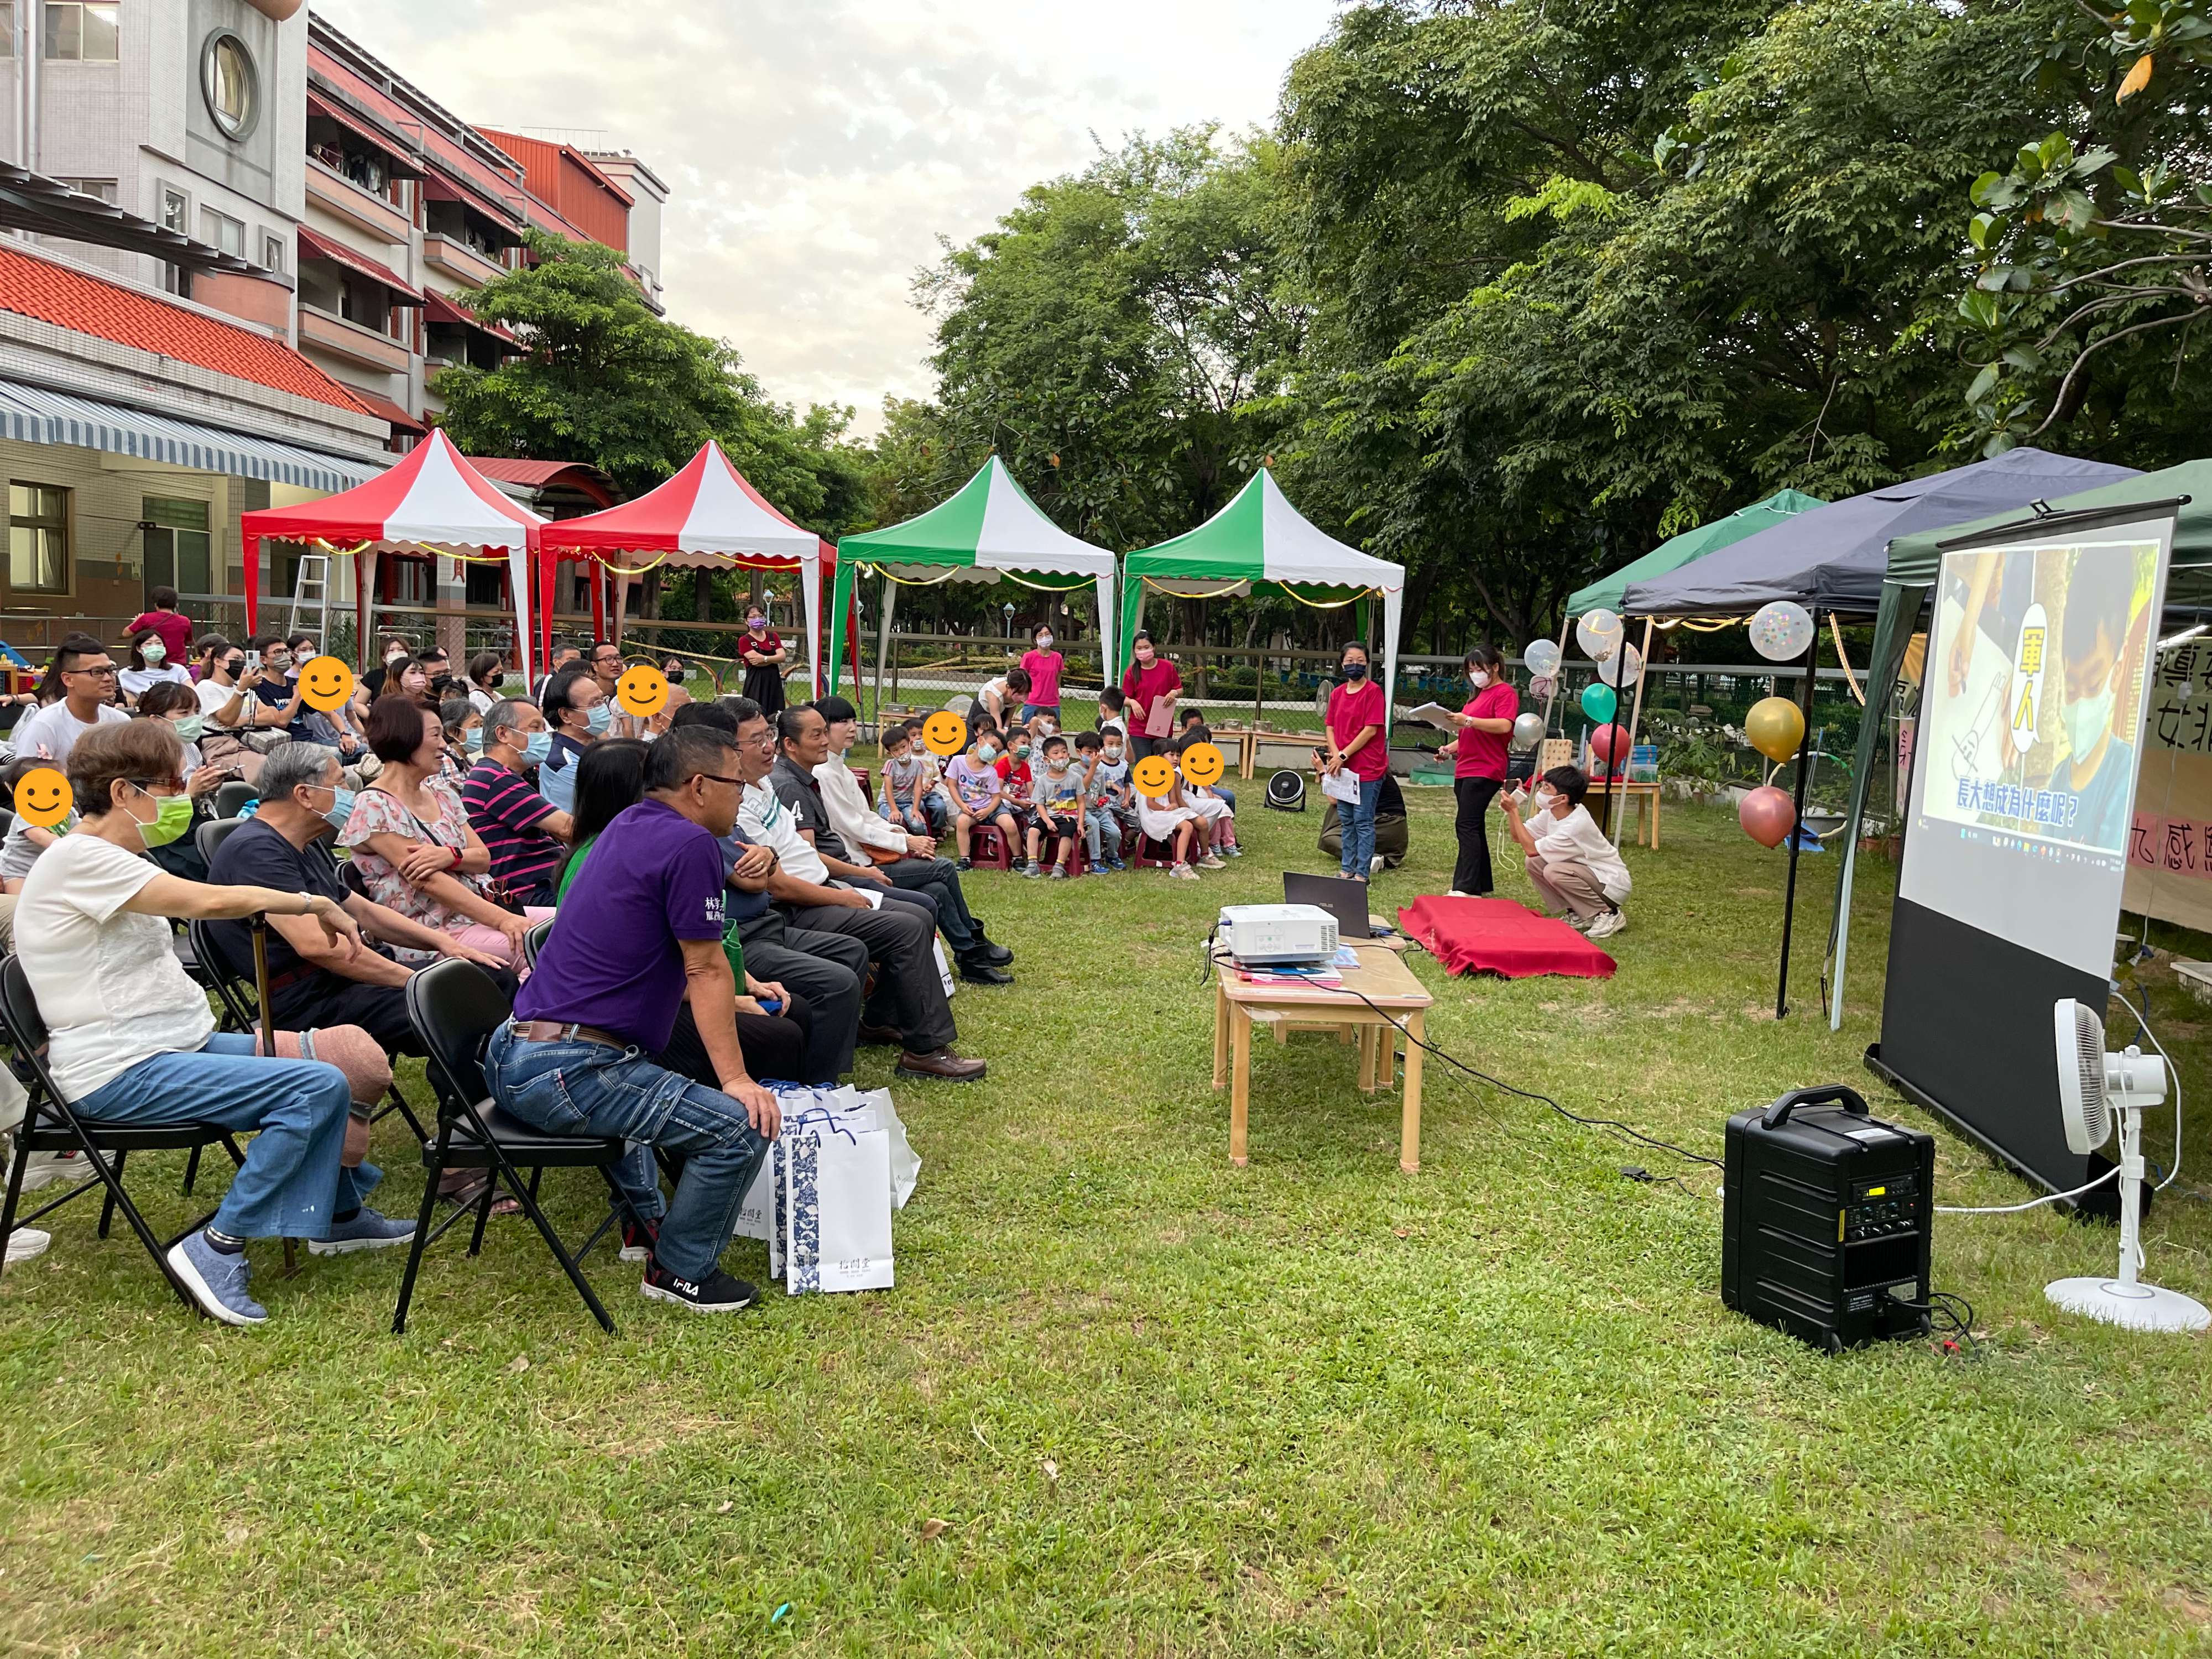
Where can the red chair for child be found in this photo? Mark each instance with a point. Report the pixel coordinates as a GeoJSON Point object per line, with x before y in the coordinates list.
{"type": "Point", "coordinates": [1152, 855]}
{"type": "Point", "coordinates": [987, 847]}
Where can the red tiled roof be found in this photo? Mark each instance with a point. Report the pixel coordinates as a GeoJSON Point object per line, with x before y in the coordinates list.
{"type": "Point", "coordinates": [69, 299]}
{"type": "Point", "coordinates": [380, 404]}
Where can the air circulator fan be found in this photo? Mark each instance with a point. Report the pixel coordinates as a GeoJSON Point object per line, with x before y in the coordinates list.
{"type": "Point", "coordinates": [2094, 1088]}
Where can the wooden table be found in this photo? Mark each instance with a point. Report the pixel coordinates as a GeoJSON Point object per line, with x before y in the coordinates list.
{"type": "Point", "coordinates": [1248, 739]}
{"type": "Point", "coordinates": [1632, 792]}
{"type": "Point", "coordinates": [1400, 1010]}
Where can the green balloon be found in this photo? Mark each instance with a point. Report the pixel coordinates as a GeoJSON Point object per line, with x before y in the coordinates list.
{"type": "Point", "coordinates": [1601, 703]}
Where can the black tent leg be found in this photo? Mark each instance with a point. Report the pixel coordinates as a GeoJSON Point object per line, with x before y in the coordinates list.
{"type": "Point", "coordinates": [1797, 828]}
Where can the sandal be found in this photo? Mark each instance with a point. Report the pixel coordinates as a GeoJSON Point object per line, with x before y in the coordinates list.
{"type": "Point", "coordinates": [469, 1193]}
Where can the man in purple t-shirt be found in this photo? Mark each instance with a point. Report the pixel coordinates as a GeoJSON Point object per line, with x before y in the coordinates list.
{"type": "Point", "coordinates": [638, 936]}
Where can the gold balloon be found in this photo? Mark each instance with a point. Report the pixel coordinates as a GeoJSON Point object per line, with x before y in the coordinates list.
{"type": "Point", "coordinates": [1775, 727]}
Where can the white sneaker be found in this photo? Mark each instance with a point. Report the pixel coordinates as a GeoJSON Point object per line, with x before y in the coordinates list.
{"type": "Point", "coordinates": [1454, 892]}
{"type": "Point", "coordinates": [1575, 922]}
{"type": "Point", "coordinates": [1212, 861]}
{"type": "Point", "coordinates": [25, 1243]}
{"type": "Point", "coordinates": [1605, 925]}
{"type": "Point", "coordinates": [1375, 865]}
{"type": "Point", "coordinates": [1183, 872]}
{"type": "Point", "coordinates": [43, 1169]}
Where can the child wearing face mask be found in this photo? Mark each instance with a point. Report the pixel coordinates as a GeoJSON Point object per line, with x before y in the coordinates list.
{"type": "Point", "coordinates": [981, 793]}
{"type": "Point", "coordinates": [1479, 754]}
{"type": "Point", "coordinates": [1113, 712]}
{"type": "Point", "coordinates": [1016, 772]}
{"type": "Point", "coordinates": [1360, 744]}
{"type": "Point", "coordinates": [1043, 664]}
{"type": "Point", "coordinates": [1108, 815]}
{"type": "Point", "coordinates": [1572, 864]}
{"type": "Point", "coordinates": [1057, 801]}
{"type": "Point", "coordinates": [902, 795]}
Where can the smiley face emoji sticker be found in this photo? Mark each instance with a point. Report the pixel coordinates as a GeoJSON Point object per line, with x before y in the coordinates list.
{"type": "Point", "coordinates": [325, 682]}
{"type": "Point", "coordinates": [945, 734]}
{"type": "Point", "coordinates": [43, 798]}
{"type": "Point", "coordinates": [642, 691]}
{"type": "Point", "coordinates": [1202, 764]}
{"type": "Point", "coordinates": [1154, 775]}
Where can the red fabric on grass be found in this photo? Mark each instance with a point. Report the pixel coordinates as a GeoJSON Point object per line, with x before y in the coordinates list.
{"type": "Point", "coordinates": [1498, 936]}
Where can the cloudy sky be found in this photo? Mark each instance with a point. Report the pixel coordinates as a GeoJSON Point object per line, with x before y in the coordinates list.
{"type": "Point", "coordinates": [816, 151]}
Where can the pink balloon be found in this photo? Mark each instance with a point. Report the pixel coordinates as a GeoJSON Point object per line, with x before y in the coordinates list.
{"type": "Point", "coordinates": [1610, 743]}
{"type": "Point", "coordinates": [1767, 816]}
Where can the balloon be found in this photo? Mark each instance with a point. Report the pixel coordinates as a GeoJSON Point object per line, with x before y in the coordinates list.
{"type": "Point", "coordinates": [1775, 727]}
{"type": "Point", "coordinates": [1781, 631]}
{"type": "Point", "coordinates": [1626, 666]}
{"type": "Point", "coordinates": [1601, 703]}
{"type": "Point", "coordinates": [1599, 634]}
{"type": "Point", "coordinates": [1610, 743]}
{"type": "Point", "coordinates": [1767, 816]}
{"type": "Point", "coordinates": [1543, 657]}
{"type": "Point", "coordinates": [1543, 686]}
{"type": "Point", "coordinates": [1527, 730]}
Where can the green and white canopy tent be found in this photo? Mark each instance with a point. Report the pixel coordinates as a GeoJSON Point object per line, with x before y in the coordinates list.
{"type": "Point", "coordinates": [990, 530]}
{"type": "Point", "coordinates": [1261, 543]}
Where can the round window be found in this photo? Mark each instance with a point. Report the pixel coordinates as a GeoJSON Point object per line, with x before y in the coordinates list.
{"type": "Point", "coordinates": [230, 83]}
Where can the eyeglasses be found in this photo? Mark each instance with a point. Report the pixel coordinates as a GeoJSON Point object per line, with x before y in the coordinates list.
{"type": "Point", "coordinates": [104, 668]}
{"type": "Point", "coordinates": [718, 778]}
{"type": "Point", "coordinates": [159, 786]}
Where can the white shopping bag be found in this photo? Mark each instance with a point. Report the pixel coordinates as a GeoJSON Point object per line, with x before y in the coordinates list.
{"type": "Point", "coordinates": [943, 968]}
{"type": "Point", "coordinates": [876, 1111]}
{"type": "Point", "coordinates": [756, 1210]}
{"type": "Point", "coordinates": [836, 1195]}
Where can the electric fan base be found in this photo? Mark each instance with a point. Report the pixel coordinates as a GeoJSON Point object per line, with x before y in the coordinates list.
{"type": "Point", "coordinates": [2138, 1306]}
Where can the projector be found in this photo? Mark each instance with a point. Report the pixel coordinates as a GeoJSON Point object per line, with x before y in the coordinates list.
{"type": "Point", "coordinates": [1262, 934]}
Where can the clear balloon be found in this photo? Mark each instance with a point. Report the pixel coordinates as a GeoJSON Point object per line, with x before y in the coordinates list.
{"type": "Point", "coordinates": [1527, 730]}
{"type": "Point", "coordinates": [1544, 687]}
{"type": "Point", "coordinates": [1600, 633]}
{"type": "Point", "coordinates": [1624, 665]}
{"type": "Point", "coordinates": [1781, 631]}
{"type": "Point", "coordinates": [1775, 727]}
{"type": "Point", "coordinates": [1767, 816]}
{"type": "Point", "coordinates": [1601, 703]}
{"type": "Point", "coordinates": [1543, 657]}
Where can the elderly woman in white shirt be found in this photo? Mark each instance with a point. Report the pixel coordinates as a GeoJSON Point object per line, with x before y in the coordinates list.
{"type": "Point", "coordinates": [1571, 864]}
{"type": "Point", "coordinates": [910, 862]}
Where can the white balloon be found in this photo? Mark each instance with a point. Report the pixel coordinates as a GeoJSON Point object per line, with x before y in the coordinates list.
{"type": "Point", "coordinates": [1527, 730]}
{"type": "Point", "coordinates": [1781, 631]}
{"type": "Point", "coordinates": [1625, 664]}
{"type": "Point", "coordinates": [1600, 633]}
{"type": "Point", "coordinates": [1543, 657]}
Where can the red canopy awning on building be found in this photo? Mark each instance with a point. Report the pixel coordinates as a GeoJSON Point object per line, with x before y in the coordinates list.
{"type": "Point", "coordinates": [315, 246]}
{"type": "Point", "coordinates": [437, 308]}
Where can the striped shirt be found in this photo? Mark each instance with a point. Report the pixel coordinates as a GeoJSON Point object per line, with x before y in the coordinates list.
{"type": "Point", "coordinates": [506, 812]}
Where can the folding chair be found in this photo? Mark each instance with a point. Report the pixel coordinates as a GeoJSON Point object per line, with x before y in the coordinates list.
{"type": "Point", "coordinates": [231, 798]}
{"type": "Point", "coordinates": [51, 1125]}
{"type": "Point", "coordinates": [242, 1011]}
{"type": "Point", "coordinates": [534, 941]}
{"type": "Point", "coordinates": [455, 1006]}
{"type": "Point", "coordinates": [210, 836]}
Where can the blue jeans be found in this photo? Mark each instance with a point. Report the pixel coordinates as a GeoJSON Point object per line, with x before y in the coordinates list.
{"type": "Point", "coordinates": [1031, 710]}
{"type": "Point", "coordinates": [591, 1088]}
{"type": "Point", "coordinates": [1358, 822]}
{"type": "Point", "coordinates": [291, 1184]}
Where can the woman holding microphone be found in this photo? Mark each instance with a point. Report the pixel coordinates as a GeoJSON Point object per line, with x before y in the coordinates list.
{"type": "Point", "coordinates": [1485, 727]}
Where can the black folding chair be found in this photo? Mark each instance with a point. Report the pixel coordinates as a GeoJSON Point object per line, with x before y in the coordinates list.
{"type": "Point", "coordinates": [456, 1006]}
{"type": "Point", "coordinates": [534, 941]}
{"type": "Point", "coordinates": [230, 799]}
{"type": "Point", "coordinates": [51, 1125]}
{"type": "Point", "coordinates": [210, 836]}
{"type": "Point", "coordinates": [242, 1011]}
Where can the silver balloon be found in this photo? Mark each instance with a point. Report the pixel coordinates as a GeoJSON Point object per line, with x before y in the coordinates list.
{"type": "Point", "coordinates": [1781, 631]}
{"type": "Point", "coordinates": [1600, 633]}
{"type": "Point", "coordinates": [1543, 657]}
{"type": "Point", "coordinates": [1527, 730]}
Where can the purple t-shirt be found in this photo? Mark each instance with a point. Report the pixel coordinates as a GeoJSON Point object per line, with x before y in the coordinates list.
{"type": "Point", "coordinates": [613, 959]}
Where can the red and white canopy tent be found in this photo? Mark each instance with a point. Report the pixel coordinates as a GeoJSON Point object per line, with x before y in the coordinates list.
{"type": "Point", "coordinates": [432, 501]}
{"type": "Point", "coordinates": [707, 516]}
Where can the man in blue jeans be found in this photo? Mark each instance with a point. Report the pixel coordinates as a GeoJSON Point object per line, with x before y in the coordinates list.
{"type": "Point", "coordinates": [640, 932]}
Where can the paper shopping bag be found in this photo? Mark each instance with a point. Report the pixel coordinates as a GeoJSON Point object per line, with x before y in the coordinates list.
{"type": "Point", "coordinates": [837, 1196]}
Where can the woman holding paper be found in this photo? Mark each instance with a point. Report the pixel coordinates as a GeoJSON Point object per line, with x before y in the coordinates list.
{"type": "Point", "coordinates": [1152, 685]}
{"type": "Point", "coordinates": [1359, 754]}
{"type": "Point", "coordinates": [1479, 771]}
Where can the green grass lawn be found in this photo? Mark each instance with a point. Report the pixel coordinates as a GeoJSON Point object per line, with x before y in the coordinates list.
{"type": "Point", "coordinates": [1126, 1399]}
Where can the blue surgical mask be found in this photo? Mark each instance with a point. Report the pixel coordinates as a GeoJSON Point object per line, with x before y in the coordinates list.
{"type": "Point", "coordinates": [472, 740]}
{"type": "Point", "coordinates": [537, 748]}
{"type": "Point", "coordinates": [342, 801]}
{"type": "Point", "coordinates": [601, 717]}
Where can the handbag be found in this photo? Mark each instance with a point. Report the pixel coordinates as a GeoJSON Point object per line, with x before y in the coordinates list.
{"type": "Point", "coordinates": [838, 1206]}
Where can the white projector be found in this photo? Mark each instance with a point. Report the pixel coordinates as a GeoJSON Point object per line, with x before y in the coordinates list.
{"type": "Point", "coordinates": [1262, 933]}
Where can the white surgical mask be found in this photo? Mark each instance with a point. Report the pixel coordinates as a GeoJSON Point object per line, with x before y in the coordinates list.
{"type": "Point", "coordinates": [1044, 641]}
{"type": "Point", "coordinates": [1480, 680]}
{"type": "Point", "coordinates": [2087, 719]}
{"type": "Point", "coordinates": [1113, 753]}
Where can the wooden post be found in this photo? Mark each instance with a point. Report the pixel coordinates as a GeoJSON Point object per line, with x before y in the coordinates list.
{"type": "Point", "coordinates": [1796, 829]}
{"type": "Point", "coordinates": [1635, 717]}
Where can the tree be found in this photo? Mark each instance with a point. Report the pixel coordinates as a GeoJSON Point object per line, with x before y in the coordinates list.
{"type": "Point", "coordinates": [604, 381]}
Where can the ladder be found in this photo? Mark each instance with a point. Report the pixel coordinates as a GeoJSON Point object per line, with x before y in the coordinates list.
{"type": "Point", "coordinates": [313, 572]}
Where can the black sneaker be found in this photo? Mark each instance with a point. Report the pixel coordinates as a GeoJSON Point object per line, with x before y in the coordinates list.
{"type": "Point", "coordinates": [721, 1293]}
{"type": "Point", "coordinates": [963, 863]}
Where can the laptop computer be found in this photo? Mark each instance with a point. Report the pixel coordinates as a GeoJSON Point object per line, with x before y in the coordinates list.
{"type": "Point", "coordinates": [1342, 896]}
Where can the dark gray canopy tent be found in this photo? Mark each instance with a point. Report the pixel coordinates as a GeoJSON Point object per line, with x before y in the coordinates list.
{"type": "Point", "coordinates": [1913, 563]}
{"type": "Point", "coordinates": [1834, 558]}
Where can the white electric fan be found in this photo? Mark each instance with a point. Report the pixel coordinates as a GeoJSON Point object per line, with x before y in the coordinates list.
{"type": "Point", "coordinates": [2093, 1088]}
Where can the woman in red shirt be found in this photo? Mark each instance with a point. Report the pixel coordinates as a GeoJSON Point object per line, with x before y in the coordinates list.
{"type": "Point", "coordinates": [1360, 744]}
{"type": "Point", "coordinates": [1486, 725]}
{"type": "Point", "coordinates": [1151, 681]}
{"type": "Point", "coordinates": [761, 650]}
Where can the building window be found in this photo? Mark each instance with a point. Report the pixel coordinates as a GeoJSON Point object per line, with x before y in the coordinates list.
{"type": "Point", "coordinates": [221, 230]}
{"type": "Point", "coordinates": [230, 83]}
{"type": "Point", "coordinates": [38, 539]}
{"type": "Point", "coordinates": [272, 253]}
{"type": "Point", "coordinates": [100, 189]}
{"type": "Point", "coordinates": [408, 578]}
{"type": "Point", "coordinates": [83, 33]}
{"type": "Point", "coordinates": [176, 210]}
{"type": "Point", "coordinates": [179, 547]}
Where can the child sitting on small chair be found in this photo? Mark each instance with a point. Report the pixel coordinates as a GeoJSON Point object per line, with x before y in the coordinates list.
{"type": "Point", "coordinates": [1170, 818]}
{"type": "Point", "coordinates": [1572, 864]}
{"type": "Point", "coordinates": [982, 794]}
{"type": "Point", "coordinates": [1106, 807]}
{"type": "Point", "coordinates": [1195, 730]}
{"type": "Point", "coordinates": [1217, 817]}
{"type": "Point", "coordinates": [1057, 802]}
{"type": "Point", "coordinates": [906, 778]}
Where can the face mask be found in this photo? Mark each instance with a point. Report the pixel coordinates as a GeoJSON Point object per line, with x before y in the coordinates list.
{"type": "Point", "coordinates": [154, 654]}
{"type": "Point", "coordinates": [1056, 767]}
{"type": "Point", "coordinates": [2086, 718]}
{"type": "Point", "coordinates": [1480, 680]}
{"type": "Point", "coordinates": [537, 747]}
{"type": "Point", "coordinates": [342, 801]}
{"type": "Point", "coordinates": [758, 624]}
{"type": "Point", "coordinates": [601, 717]}
{"type": "Point", "coordinates": [190, 727]}
{"type": "Point", "coordinates": [1144, 658]}
{"type": "Point", "coordinates": [1113, 755]}
{"type": "Point", "coordinates": [1355, 671]}
{"type": "Point", "coordinates": [987, 751]}
{"type": "Point", "coordinates": [1021, 751]}
{"type": "Point", "coordinates": [1044, 641]}
{"type": "Point", "coordinates": [175, 817]}
{"type": "Point", "coordinates": [279, 660]}
{"type": "Point", "coordinates": [1545, 799]}
{"type": "Point", "coordinates": [473, 741]}
{"type": "Point", "coordinates": [234, 667]}
{"type": "Point", "coordinates": [396, 654]}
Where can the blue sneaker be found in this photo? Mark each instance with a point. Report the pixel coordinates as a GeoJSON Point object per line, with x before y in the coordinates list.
{"type": "Point", "coordinates": [216, 1281]}
{"type": "Point", "coordinates": [367, 1231]}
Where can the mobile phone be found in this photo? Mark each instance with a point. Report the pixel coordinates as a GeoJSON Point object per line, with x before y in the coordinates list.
{"type": "Point", "coordinates": [253, 662]}
{"type": "Point", "coordinates": [770, 1005]}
